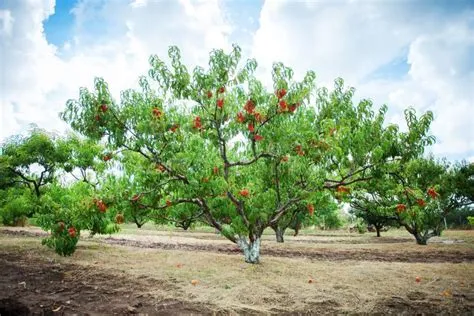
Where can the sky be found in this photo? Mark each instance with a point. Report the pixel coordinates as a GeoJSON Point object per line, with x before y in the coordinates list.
{"type": "Point", "coordinates": [403, 53]}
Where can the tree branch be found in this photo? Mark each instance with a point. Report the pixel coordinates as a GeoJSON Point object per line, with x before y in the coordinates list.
{"type": "Point", "coordinates": [282, 210]}
{"type": "Point", "coordinates": [249, 162]}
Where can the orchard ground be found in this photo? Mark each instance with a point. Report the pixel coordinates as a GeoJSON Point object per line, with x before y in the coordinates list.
{"type": "Point", "coordinates": [151, 271]}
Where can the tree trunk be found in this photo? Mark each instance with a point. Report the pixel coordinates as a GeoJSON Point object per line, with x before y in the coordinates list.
{"type": "Point", "coordinates": [251, 249]}
{"type": "Point", "coordinates": [37, 190]}
{"type": "Point", "coordinates": [377, 228]}
{"type": "Point", "coordinates": [421, 240]}
{"type": "Point", "coordinates": [279, 232]}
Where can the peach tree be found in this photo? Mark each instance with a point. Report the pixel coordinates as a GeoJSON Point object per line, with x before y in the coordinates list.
{"type": "Point", "coordinates": [419, 203]}
{"type": "Point", "coordinates": [134, 192]}
{"type": "Point", "coordinates": [28, 166]}
{"type": "Point", "coordinates": [415, 194]}
{"type": "Point", "coordinates": [460, 184]}
{"type": "Point", "coordinates": [77, 200]}
{"type": "Point", "coordinates": [32, 161]}
{"type": "Point", "coordinates": [58, 213]}
{"type": "Point", "coordinates": [430, 190]}
{"type": "Point", "coordinates": [373, 203]}
{"type": "Point", "coordinates": [67, 210]}
{"type": "Point", "coordinates": [243, 157]}
{"type": "Point", "coordinates": [412, 190]}
{"type": "Point", "coordinates": [90, 163]}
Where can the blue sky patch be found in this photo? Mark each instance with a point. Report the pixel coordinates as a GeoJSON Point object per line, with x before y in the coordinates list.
{"type": "Point", "coordinates": [59, 26]}
{"type": "Point", "coordinates": [396, 69]}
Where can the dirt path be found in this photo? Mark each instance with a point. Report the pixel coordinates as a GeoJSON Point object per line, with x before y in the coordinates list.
{"type": "Point", "coordinates": [315, 254]}
{"type": "Point", "coordinates": [31, 286]}
{"type": "Point", "coordinates": [432, 256]}
{"type": "Point", "coordinates": [32, 282]}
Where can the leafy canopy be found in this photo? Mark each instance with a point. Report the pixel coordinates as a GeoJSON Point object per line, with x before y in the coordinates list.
{"type": "Point", "coordinates": [243, 156]}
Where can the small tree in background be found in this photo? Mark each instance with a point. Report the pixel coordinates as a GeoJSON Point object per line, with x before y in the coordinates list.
{"type": "Point", "coordinates": [16, 205]}
{"type": "Point", "coordinates": [322, 211]}
{"type": "Point", "coordinates": [419, 204]}
{"type": "Point", "coordinates": [28, 165]}
{"type": "Point", "coordinates": [88, 160]}
{"type": "Point", "coordinates": [66, 210]}
{"type": "Point", "coordinates": [91, 164]}
{"type": "Point", "coordinates": [32, 160]}
{"type": "Point", "coordinates": [471, 220]}
{"type": "Point", "coordinates": [59, 212]}
{"type": "Point", "coordinates": [458, 189]}
{"type": "Point", "coordinates": [373, 204]}
{"type": "Point", "coordinates": [373, 214]}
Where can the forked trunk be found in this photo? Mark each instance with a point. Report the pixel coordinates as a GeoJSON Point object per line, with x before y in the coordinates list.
{"type": "Point", "coordinates": [279, 232]}
{"type": "Point", "coordinates": [138, 223]}
{"type": "Point", "coordinates": [421, 239]}
{"type": "Point", "coordinates": [251, 249]}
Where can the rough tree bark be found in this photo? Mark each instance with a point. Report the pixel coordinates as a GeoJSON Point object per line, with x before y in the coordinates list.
{"type": "Point", "coordinates": [279, 233]}
{"type": "Point", "coordinates": [139, 225]}
{"type": "Point", "coordinates": [378, 228]}
{"type": "Point", "coordinates": [421, 239]}
{"type": "Point", "coordinates": [251, 249]}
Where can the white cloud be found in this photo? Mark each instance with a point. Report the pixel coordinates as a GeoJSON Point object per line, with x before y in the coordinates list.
{"type": "Point", "coordinates": [113, 39]}
{"type": "Point", "coordinates": [30, 70]}
{"type": "Point", "coordinates": [355, 38]}
{"type": "Point", "coordinates": [440, 79]}
{"type": "Point", "coordinates": [6, 23]}
{"type": "Point", "coordinates": [333, 39]}
{"type": "Point", "coordinates": [36, 81]}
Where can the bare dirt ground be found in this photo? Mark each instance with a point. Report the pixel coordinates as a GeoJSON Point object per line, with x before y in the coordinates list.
{"type": "Point", "coordinates": [150, 273]}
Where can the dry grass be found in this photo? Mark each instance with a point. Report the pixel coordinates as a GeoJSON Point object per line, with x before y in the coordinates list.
{"type": "Point", "coordinates": [280, 284]}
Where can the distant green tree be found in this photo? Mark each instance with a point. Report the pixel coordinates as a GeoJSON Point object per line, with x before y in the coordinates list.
{"type": "Point", "coordinates": [459, 186]}
{"type": "Point", "coordinates": [16, 204]}
{"type": "Point", "coordinates": [373, 204]}
{"type": "Point", "coordinates": [419, 201]}
{"type": "Point", "coordinates": [459, 217]}
{"type": "Point", "coordinates": [32, 160]}
{"type": "Point", "coordinates": [28, 164]}
{"type": "Point", "coordinates": [471, 220]}
{"type": "Point", "coordinates": [321, 211]}
{"type": "Point", "coordinates": [88, 159]}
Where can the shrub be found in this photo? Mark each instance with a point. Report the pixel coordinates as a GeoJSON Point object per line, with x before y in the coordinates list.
{"type": "Point", "coordinates": [361, 226]}
{"type": "Point", "coordinates": [63, 239]}
{"type": "Point", "coordinates": [15, 206]}
{"type": "Point", "coordinates": [471, 220]}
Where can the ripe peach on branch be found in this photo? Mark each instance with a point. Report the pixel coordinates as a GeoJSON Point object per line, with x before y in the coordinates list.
{"type": "Point", "coordinates": [244, 192]}
{"type": "Point", "coordinates": [157, 113]}
{"type": "Point", "coordinates": [101, 206]}
{"type": "Point", "coordinates": [72, 232]}
{"type": "Point", "coordinates": [432, 193]}
{"type": "Point", "coordinates": [280, 93]}
{"type": "Point", "coordinates": [197, 124]}
{"type": "Point", "coordinates": [240, 117]}
{"type": "Point", "coordinates": [249, 106]}
{"type": "Point", "coordinates": [401, 208]}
